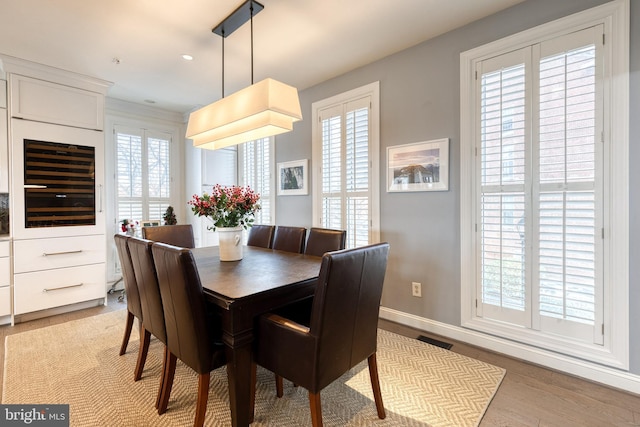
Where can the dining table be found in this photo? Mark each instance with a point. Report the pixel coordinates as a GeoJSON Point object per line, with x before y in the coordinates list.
{"type": "Point", "coordinates": [263, 280]}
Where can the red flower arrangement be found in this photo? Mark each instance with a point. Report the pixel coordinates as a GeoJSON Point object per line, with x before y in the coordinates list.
{"type": "Point", "coordinates": [231, 206]}
{"type": "Point", "coordinates": [128, 226]}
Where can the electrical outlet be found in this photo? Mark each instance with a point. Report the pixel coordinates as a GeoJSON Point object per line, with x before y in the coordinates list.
{"type": "Point", "coordinates": [416, 289]}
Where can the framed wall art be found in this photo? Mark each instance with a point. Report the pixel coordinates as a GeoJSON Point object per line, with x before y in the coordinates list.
{"type": "Point", "coordinates": [421, 166]}
{"type": "Point", "coordinates": [293, 178]}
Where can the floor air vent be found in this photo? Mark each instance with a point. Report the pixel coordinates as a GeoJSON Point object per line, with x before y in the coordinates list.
{"type": "Point", "coordinates": [437, 343]}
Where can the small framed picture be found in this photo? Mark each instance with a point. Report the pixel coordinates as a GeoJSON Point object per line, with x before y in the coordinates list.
{"type": "Point", "coordinates": [293, 178]}
{"type": "Point", "coordinates": [150, 222]}
{"type": "Point", "coordinates": [421, 166]}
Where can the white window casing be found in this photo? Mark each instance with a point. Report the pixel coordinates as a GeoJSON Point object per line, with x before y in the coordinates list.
{"type": "Point", "coordinates": [345, 169]}
{"type": "Point", "coordinates": [570, 200]}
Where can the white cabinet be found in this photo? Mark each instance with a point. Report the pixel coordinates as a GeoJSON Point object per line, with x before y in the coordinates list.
{"type": "Point", "coordinates": [4, 142]}
{"type": "Point", "coordinates": [5, 279]}
{"type": "Point", "coordinates": [53, 272]}
{"type": "Point", "coordinates": [3, 94]}
{"type": "Point", "coordinates": [62, 252]}
{"type": "Point", "coordinates": [55, 121]}
{"type": "Point", "coordinates": [48, 102]}
{"type": "Point", "coordinates": [41, 290]}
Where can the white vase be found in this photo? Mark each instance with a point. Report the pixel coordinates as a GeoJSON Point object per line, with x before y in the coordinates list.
{"type": "Point", "coordinates": [230, 245]}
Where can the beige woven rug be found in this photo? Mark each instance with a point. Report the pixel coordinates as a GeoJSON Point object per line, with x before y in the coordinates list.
{"type": "Point", "coordinates": [78, 363]}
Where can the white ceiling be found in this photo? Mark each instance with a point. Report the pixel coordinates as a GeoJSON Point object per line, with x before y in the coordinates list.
{"type": "Point", "coordinates": [299, 42]}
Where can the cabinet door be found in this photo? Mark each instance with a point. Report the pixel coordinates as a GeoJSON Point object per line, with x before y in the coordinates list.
{"type": "Point", "coordinates": [48, 102]}
{"type": "Point", "coordinates": [4, 152]}
{"type": "Point", "coordinates": [4, 144]}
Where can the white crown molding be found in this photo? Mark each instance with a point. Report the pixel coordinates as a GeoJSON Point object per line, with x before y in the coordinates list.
{"type": "Point", "coordinates": [13, 65]}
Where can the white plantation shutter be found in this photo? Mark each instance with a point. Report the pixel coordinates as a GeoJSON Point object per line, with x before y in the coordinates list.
{"type": "Point", "coordinates": [257, 174]}
{"type": "Point", "coordinates": [357, 172]}
{"type": "Point", "coordinates": [540, 194]}
{"type": "Point", "coordinates": [332, 167]}
{"type": "Point", "coordinates": [503, 119]}
{"type": "Point", "coordinates": [129, 175]}
{"type": "Point", "coordinates": [568, 191]}
{"type": "Point", "coordinates": [143, 177]}
{"type": "Point", "coordinates": [159, 175]}
{"type": "Point", "coordinates": [345, 169]}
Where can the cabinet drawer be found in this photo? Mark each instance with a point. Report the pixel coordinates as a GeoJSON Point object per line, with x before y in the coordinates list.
{"type": "Point", "coordinates": [4, 248]}
{"type": "Point", "coordinates": [47, 289]}
{"type": "Point", "coordinates": [47, 254]}
{"type": "Point", "coordinates": [5, 301]}
{"type": "Point", "coordinates": [5, 272]}
{"type": "Point", "coordinates": [3, 94]}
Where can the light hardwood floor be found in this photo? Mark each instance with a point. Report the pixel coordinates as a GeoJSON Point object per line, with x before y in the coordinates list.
{"type": "Point", "coordinates": [531, 395]}
{"type": "Point", "coordinates": [528, 396]}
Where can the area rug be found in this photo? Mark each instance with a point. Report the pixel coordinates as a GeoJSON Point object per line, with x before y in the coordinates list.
{"type": "Point", "coordinates": [77, 363]}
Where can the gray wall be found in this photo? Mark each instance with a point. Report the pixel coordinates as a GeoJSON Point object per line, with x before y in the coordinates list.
{"type": "Point", "coordinates": [420, 101]}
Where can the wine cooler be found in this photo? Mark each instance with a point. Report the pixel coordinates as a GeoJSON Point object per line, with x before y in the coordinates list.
{"type": "Point", "coordinates": [58, 176]}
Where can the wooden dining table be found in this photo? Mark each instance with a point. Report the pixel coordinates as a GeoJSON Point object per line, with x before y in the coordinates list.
{"type": "Point", "coordinates": [263, 280]}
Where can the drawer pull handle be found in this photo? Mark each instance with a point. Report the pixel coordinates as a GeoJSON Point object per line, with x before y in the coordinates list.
{"type": "Point", "coordinates": [61, 253]}
{"type": "Point", "coordinates": [62, 287]}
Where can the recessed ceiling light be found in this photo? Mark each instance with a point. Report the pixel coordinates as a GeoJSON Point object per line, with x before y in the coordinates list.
{"type": "Point", "coordinates": [187, 57]}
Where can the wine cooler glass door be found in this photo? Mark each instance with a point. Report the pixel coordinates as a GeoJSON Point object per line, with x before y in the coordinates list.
{"type": "Point", "coordinates": [58, 180]}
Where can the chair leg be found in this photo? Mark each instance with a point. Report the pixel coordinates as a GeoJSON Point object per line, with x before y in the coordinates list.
{"type": "Point", "coordinates": [168, 382]}
{"type": "Point", "coordinates": [162, 376]}
{"type": "Point", "coordinates": [279, 386]}
{"type": "Point", "coordinates": [375, 385]}
{"type": "Point", "coordinates": [316, 409]}
{"type": "Point", "coordinates": [145, 337]}
{"type": "Point", "coordinates": [252, 390]}
{"type": "Point", "coordinates": [127, 333]}
{"type": "Point", "coordinates": [203, 396]}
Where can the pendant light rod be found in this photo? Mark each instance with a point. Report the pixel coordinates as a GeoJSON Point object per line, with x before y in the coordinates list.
{"type": "Point", "coordinates": [223, 63]}
{"type": "Point", "coordinates": [235, 20]}
{"type": "Point", "coordinates": [251, 9]}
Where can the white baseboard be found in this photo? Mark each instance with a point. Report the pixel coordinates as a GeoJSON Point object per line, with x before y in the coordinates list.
{"type": "Point", "coordinates": [591, 371]}
{"type": "Point", "coordinates": [19, 318]}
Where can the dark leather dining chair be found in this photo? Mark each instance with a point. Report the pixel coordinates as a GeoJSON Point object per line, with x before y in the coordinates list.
{"type": "Point", "coordinates": [151, 303]}
{"type": "Point", "coordinates": [261, 236]}
{"type": "Point", "coordinates": [193, 332]}
{"type": "Point", "coordinates": [323, 240]}
{"type": "Point", "coordinates": [134, 310]}
{"type": "Point", "coordinates": [180, 235]}
{"type": "Point", "coordinates": [290, 239]}
{"type": "Point", "coordinates": [314, 347]}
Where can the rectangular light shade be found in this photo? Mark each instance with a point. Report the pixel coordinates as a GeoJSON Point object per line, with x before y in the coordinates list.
{"type": "Point", "coordinates": [263, 109]}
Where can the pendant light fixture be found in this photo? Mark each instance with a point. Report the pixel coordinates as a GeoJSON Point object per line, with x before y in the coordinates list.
{"type": "Point", "coordinates": [263, 109]}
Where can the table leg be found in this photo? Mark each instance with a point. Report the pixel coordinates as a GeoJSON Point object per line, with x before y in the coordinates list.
{"type": "Point", "coordinates": [239, 358]}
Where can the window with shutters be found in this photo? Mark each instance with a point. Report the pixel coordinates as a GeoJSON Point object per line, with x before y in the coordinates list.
{"type": "Point", "coordinates": [143, 175]}
{"type": "Point", "coordinates": [540, 194]}
{"type": "Point", "coordinates": [345, 164]}
{"type": "Point", "coordinates": [257, 172]}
